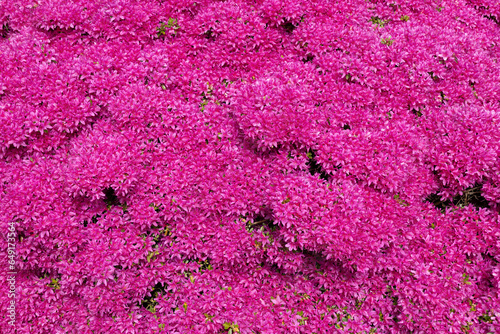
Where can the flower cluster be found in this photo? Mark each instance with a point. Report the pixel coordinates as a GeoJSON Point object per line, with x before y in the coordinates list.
{"type": "Point", "coordinates": [269, 166]}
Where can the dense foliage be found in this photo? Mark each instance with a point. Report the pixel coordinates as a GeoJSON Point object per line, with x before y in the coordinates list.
{"type": "Point", "coordinates": [267, 166]}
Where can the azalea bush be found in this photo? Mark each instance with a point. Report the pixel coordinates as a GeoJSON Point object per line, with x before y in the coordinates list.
{"type": "Point", "coordinates": [267, 166]}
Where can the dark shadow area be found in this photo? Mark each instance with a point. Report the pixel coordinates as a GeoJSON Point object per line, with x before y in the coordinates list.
{"type": "Point", "coordinates": [149, 301]}
{"type": "Point", "coordinates": [288, 26]}
{"type": "Point", "coordinates": [315, 167]}
{"type": "Point", "coordinates": [93, 220]}
{"type": "Point", "coordinates": [348, 78]}
{"type": "Point", "coordinates": [435, 199]}
{"type": "Point", "coordinates": [110, 197]}
{"type": "Point", "coordinates": [158, 234]}
{"type": "Point", "coordinates": [205, 265]}
{"type": "Point", "coordinates": [416, 112]}
{"type": "Point", "coordinates": [4, 33]}
{"type": "Point", "coordinates": [260, 221]}
{"type": "Point", "coordinates": [209, 34]}
{"type": "Point", "coordinates": [471, 196]}
{"type": "Point", "coordinates": [308, 58]}
{"type": "Point", "coordinates": [492, 18]}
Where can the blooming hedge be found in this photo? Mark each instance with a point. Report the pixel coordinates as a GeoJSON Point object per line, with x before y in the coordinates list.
{"type": "Point", "coordinates": [266, 166]}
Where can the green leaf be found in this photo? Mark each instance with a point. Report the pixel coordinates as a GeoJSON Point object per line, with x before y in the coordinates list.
{"type": "Point", "coordinates": [378, 21]}
{"type": "Point", "coordinates": [387, 41]}
{"type": "Point", "coordinates": [171, 23]}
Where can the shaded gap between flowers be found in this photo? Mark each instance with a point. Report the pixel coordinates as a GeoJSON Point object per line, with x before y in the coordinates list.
{"type": "Point", "coordinates": [158, 234]}
{"type": "Point", "coordinates": [205, 265]}
{"type": "Point", "coordinates": [57, 30]}
{"type": "Point", "coordinates": [54, 276]}
{"type": "Point", "coordinates": [4, 33]}
{"type": "Point", "coordinates": [417, 112]}
{"type": "Point", "coordinates": [111, 200]}
{"type": "Point", "coordinates": [110, 197]}
{"type": "Point", "coordinates": [260, 221]}
{"type": "Point", "coordinates": [149, 302]}
{"type": "Point", "coordinates": [315, 167]}
{"type": "Point", "coordinates": [308, 58]}
{"type": "Point", "coordinates": [471, 196]}
{"type": "Point", "coordinates": [492, 17]}
{"type": "Point", "coordinates": [209, 34]}
{"type": "Point", "coordinates": [93, 220]}
{"type": "Point", "coordinates": [320, 264]}
{"type": "Point", "coordinates": [288, 26]}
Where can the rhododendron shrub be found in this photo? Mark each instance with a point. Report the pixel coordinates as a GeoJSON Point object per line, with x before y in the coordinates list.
{"type": "Point", "coordinates": [267, 166]}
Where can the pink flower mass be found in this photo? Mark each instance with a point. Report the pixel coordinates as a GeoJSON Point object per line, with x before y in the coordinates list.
{"type": "Point", "coordinates": [251, 166]}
